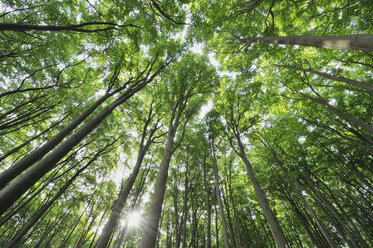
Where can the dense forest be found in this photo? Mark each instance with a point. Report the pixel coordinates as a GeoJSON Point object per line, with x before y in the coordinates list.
{"type": "Point", "coordinates": [192, 123]}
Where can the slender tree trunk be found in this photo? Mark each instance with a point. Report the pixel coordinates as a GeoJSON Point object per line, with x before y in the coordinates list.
{"type": "Point", "coordinates": [151, 228]}
{"type": "Point", "coordinates": [96, 232]}
{"type": "Point", "coordinates": [339, 220]}
{"type": "Point", "coordinates": [304, 222]}
{"type": "Point", "coordinates": [20, 166]}
{"type": "Point", "coordinates": [45, 207]}
{"type": "Point", "coordinates": [354, 230]}
{"type": "Point", "coordinates": [185, 207]}
{"type": "Point", "coordinates": [20, 185]}
{"type": "Point", "coordinates": [149, 237]}
{"type": "Point", "coordinates": [361, 42]}
{"type": "Point", "coordinates": [208, 205]}
{"type": "Point", "coordinates": [263, 201]}
{"type": "Point", "coordinates": [15, 149]}
{"type": "Point", "coordinates": [176, 215]}
{"type": "Point", "coordinates": [368, 87]}
{"type": "Point", "coordinates": [218, 196]}
{"type": "Point", "coordinates": [339, 113]}
{"type": "Point", "coordinates": [294, 186]}
{"type": "Point", "coordinates": [19, 27]}
{"type": "Point", "coordinates": [216, 223]}
{"type": "Point", "coordinates": [112, 223]}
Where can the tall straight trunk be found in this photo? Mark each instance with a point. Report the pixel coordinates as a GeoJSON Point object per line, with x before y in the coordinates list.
{"type": "Point", "coordinates": [345, 227]}
{"type": "Point", "coordinates": [208, 204]}
{"type": "Point", "coordinates": [72, 228]}
{"type": "Point", "coordinates": [15, 149]}
{"type": "Point", "coordinates": [354, 229]}
{"type": "Point", "coordinates": [176, 215]}
{"type": "Point", "coordinates": [133, 206]}
{"type": "Point", "coordinates": [93, 239]}
{"type": "Point", "coordinates": [263, 201]}
{"type": "Point", "coordinates": [236, 217]}
{"type": "Point", "coordinates": [294, 186]}
{"type": "Point", "coordinates": [149, 237]}
{"type": "Point", "coordinates": [368, 87]}
{"type": "Point", "coordinates": [218, 196]}
{"type": "Point", "coordinates": [304, 222]}
{"type": "Point", "coordinates": [340, 113]}
{"type": "Point", "coordinates": [216, 224]}
{"type": "Point", "coordinates": [185, 207]}
{"type": "Point", "coordinates": [360, 42]}
{"type": "Point", "coordinates": [112, 223]}
{"type": "Point", "coordinates": [20, 166]}
{"type": "Point", "coordinates": [13, 191]}
{"type": "Point", "coordinates": [155, 208]}
{"type": "Point", "coordinates": [45, 207]}
{"type": "Point", "coordinates": [80, 28]}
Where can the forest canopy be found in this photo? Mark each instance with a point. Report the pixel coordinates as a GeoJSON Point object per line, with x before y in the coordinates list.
{"type": "Point", "coordinates": [186, 123]}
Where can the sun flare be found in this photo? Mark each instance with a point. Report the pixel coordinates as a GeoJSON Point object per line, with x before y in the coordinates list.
{"type": "Point", "coordinates": [134, 219]}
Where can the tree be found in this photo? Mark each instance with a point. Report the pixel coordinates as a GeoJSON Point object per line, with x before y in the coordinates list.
{"type": "Point", "coordinates": [184, 103]}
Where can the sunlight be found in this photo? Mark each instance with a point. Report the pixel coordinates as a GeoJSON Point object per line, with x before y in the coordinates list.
{"type": "Point", "coordinates": [134, 219]}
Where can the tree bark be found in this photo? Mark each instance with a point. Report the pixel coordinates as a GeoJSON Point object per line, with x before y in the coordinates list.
{"type": "Point", "coordinates": [20, 166]}
{"type": "Point", "coordinates": [19, 27]}
{"type": "Point", "coordinates": [368, 87]}
{"type": "Point", "coordinates": [340, 113]}
{"type": "Point", "coordinates": [263, 201]}
{"type": "Point", "coordinates": [155, 208]}
{"type": "Point", "coordinates": [218, 195]}
{"type": "Point", "coordinates": [112, 223]}
{"type": "Point", "coordinates": [294, 186]}
{"type": "Point", "coordinates": [208, 205]}
{"type": "Point", "coordinates": [46, 206]}
{"type": "Point", "coordinates": [185, 208]}
{"type": "Point", "coordinates": [361, 42]}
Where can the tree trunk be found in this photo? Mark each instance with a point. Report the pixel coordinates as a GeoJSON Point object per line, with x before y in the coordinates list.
{"type": "Point", "coordinates": [112, 223]}
{"type": "Point", "coordinates": [19, 27]}
{"type": "Point", "coordinates": [20, 166]}
{"type": "Point", "coordinates": [339, 113]}
{"type": "Point", "coordinates": [15, 149]}
{"type": "Point", "coordinates": [361, 42]}
{"type": "Point", "coordinates": [294, 186]}
{"type": "Point", "coordinates": [218, 196]}
{"type": "Point", "coordinates": [176, 212]}
{"type": "Point", "coordinates": [304, 222]}
{"type": "Point", "coordinates": [208, 205]}
{"type": "Point", "coordinates": [368, 87]}
{"type": "Point", "coordinates": [155, 208]}
{"type": "Point", "coordinates": [185, 208]}
{"type": "Point", "coordinates": [45, 207]}
{"type": "Point", "coordinates": [263, 201]}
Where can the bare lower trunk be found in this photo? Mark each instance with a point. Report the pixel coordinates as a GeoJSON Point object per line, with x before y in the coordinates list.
{"type": "Point", "coordinates": [20, 166]}
{"type": "Point", "coordinates": [119, 205]}
{"type": "Point", "coordinates": [334, 78]}
{"type": "Point", "coordinates": [208, 205]}
{"type": "Point", "coordinates": [263, 201]}
{"type": "Point", "coordinates": [361, 42]}
{"type": "Point", "coordinates": [218, 196]}
{"type": "Point", "coordinates": [295, 187]}
{"type": "Point", "coordinates": [155, 207]}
